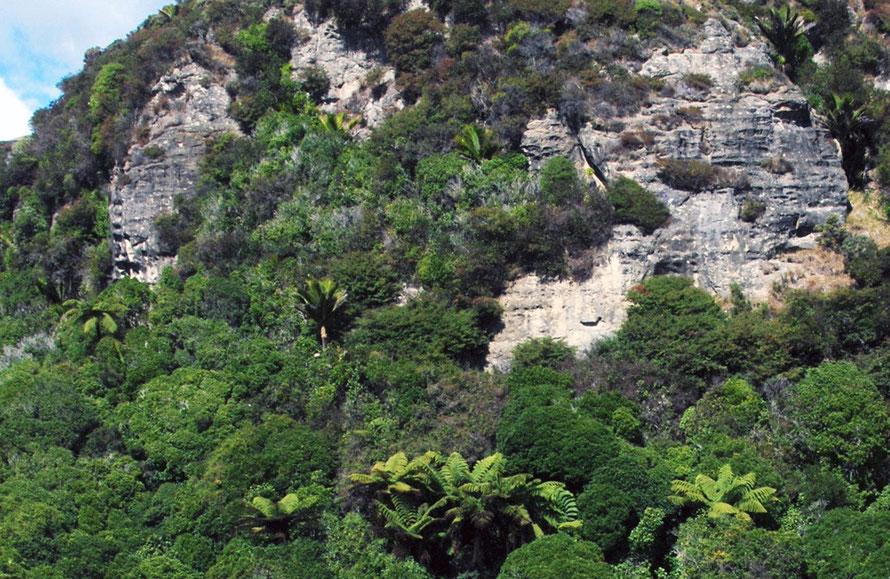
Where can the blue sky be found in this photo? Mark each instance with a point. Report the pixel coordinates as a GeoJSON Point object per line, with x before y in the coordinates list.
{"type": "Point", "coordinates": [42, 41]}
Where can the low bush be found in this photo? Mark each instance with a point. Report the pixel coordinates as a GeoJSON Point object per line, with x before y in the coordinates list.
{"type": "Point", "coordinates": [751, 210]}
{"type": "Point", "coordinates": [696, 176]}
{"type": "Point", "coordinates": [635, 205]}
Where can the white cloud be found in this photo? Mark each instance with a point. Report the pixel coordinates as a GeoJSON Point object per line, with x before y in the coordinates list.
{"type": "Point", "coordinates": [43, 40]}
{"type": "Point", "coordinates": [14, 114]}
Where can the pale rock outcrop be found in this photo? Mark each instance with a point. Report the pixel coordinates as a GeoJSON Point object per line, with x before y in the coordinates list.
{"type": "Point", "coordinates": [347, 61]}
{"type": "Point", "coordinates": [188, 107]}
{"type": "Point", "coordinates": [744, 131]}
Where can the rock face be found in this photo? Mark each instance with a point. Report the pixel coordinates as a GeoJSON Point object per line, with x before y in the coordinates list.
{"type": "Point", "coordinates": [761, 137]}
{"type": "Point", "coordinates": [190, 106]}
{"type": "Point", "coordinates": [361, 82]}
{"type": "Point", "coordinates": [187, 108]}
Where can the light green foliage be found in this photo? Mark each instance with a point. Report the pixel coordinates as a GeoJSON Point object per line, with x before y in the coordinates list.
{"type": "Point", "coordinates": [727, 547]}
{"type": "Point", "coordinates": [728, 495]}
{"type": "Point", "coordinates": [437, 174]}
{"type": "Point", "coordinates": [302, 558]}
{"type": "Point", "coordinates": [841, 420]}
{"type": "Point", "coordinates": [734, 409]}
{"type": "Point", "coordinates": [105, 95]}
{"type": "Point", "coordinates": [176, 420]}
{"type": "Point", "coordinates": [558, 555]}
{"type": "Point", "coordinates": [337, 122]}
{"type": "Point", "coordinates": [276, 519]}
{"type": "Point", "coordinates": [371, 560]}
{"type": "Point", "coordinates": [644, 536]}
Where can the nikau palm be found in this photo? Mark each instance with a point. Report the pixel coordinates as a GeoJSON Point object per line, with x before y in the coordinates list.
{"type": "Point", "coordinates": [729, 495]}
{"type": "Point", "coordinates": [319, 301]}
{"type": "Point", "coordinates": [476, 143]}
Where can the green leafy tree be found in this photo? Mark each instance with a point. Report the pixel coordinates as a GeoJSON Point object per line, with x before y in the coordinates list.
{"type": "Point", "coordinates": [558, 555]}
{"type": "Point", "coordinates": [839, 418]}
{"type": "Point", "coordinates": [729, 495]}
{"type": "Point", "coordinates": [476, 143]}
{"type": "Point", "coordinates": [319, 301]}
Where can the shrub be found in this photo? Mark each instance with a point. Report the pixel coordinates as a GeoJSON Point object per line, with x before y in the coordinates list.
{"type": "Point", "coordinates": [314, 80]}
{"type": "Point", "coordinates": [426, 329]}
{"type": "Point", "coordinates": [698, 81]}
{"type": "Point", "coordinates": [560, 184]}
{"type": "Point", "coordinates": [612, 12]}
{"type": "Point", "coordinates": [688, 174]}
{"type": "Point", "coordinates": [556, 442]}
{"type": "Point", "coordinates": [635, 205]}
{"type": "Point", "coordinates": [842, 420]}
{"type": "Point", "coordinates": [557, 555]}
{"type": "Point", "coordinates": [606, 513]}
{"type": "Point", "coordinates": [411, 38]}
{"type": "Point", "coordinates": [545, 352]}
{"type": "Point", "coordinates": [751, 210]}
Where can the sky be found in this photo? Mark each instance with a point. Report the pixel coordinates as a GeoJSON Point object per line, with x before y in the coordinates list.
{"type": "Point", "coordinates": [42, 41]}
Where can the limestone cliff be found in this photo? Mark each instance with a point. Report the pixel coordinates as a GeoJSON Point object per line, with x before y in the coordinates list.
{"type": "Point", "coordinates": [763, 137]}
{"type": "Point", "coordinates": [760, 136]}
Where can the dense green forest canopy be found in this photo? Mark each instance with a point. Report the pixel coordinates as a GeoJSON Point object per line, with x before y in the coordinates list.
{"type": "Point", "coordinates": [268, 409]}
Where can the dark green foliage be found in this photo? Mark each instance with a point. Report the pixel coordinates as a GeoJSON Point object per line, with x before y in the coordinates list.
{"type": "Point", "coordinates": [635, 205]}
{"type": "Point", "coordinates": [608, 514]}
{"type": "Point", "coordinates": [673, 324]}
{"type": "Point", "coordinates": [545, 352]}
{"type": "Point", "coordinates": [278, 453]}
{"type": "Point", "coordinates": [314, 81]}
{"type": "Point", "coordinates": [846, 543]}
{"type": "Point", "coordinates": [688, 174]}
{"type": "Point", "coordinates": [751, 210]}
{"type": "Point", "coordinates": [558, 555]}
{"type": "Point", "coordinates": [411, 38]}
{"type": "Point", "coordinates": [841, 420]}
{"type": "Point", "coordinates": [784, 30]}
{"type": "Point", "coordinates": [42, 408]}
{"type": "Point", "coordinates": [555, 440]}
{"type": "Point", "coordinates": [560, 184]}
{"type": "Point", "coordinates": [835, 324]}
{"type": "Point", "coordinates": [425, 329]}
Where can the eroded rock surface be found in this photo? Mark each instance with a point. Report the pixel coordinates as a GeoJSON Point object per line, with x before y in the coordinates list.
{"type": "Point", "coordinates": [187, 108]}
{"type": "Point", "coordinates": [764, 139]}
{"type": "Point", "coordinates": [361, 81]}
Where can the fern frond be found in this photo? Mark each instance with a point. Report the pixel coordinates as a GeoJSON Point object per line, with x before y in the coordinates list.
{"type": "Point", "coordinates": [264, 506]}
